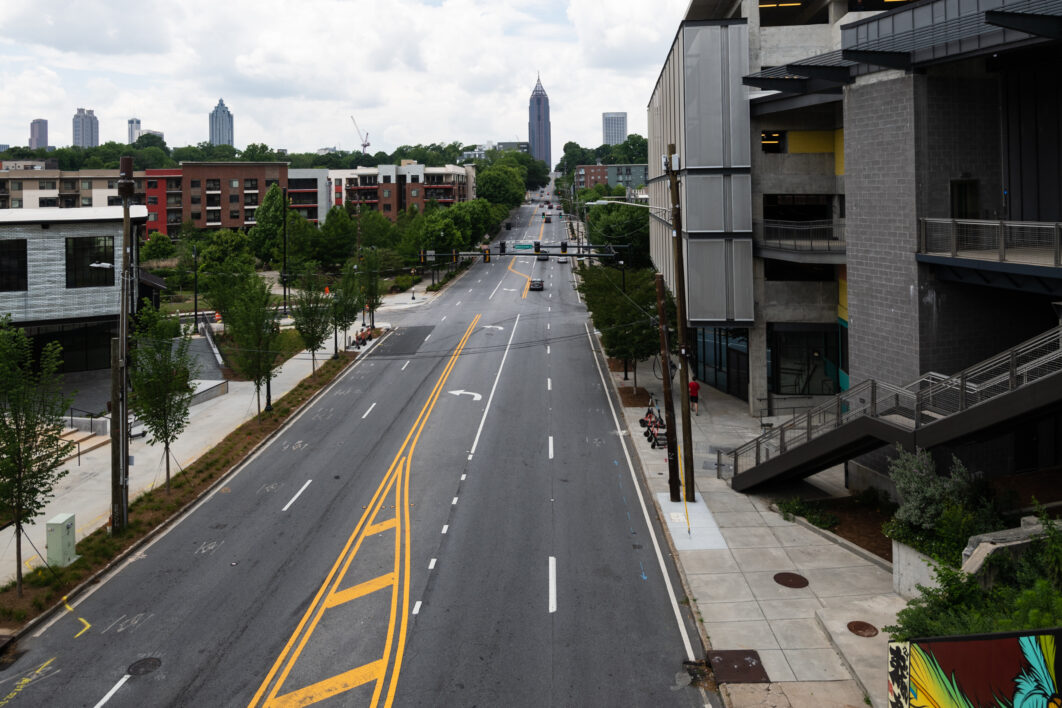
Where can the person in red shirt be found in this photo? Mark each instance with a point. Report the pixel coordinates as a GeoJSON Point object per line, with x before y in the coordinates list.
{"type": "Point", "coordinates": [695, 389]}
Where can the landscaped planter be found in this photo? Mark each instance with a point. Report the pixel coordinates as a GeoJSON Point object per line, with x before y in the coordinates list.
{"type": "Point", "coordinates": [910, 568]}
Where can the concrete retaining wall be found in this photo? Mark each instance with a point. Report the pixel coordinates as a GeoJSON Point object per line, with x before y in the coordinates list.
{"type": "Point", "coordinates": [910, 568]}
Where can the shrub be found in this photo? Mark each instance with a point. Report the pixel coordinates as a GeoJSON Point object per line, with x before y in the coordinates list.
{"type": "Point", "coordinates": [797, 507]}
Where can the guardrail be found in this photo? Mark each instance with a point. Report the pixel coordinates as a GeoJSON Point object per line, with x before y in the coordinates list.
{"type": "Point", "coordinates": [827, 235]}
{"type": "Point", "coordinates": [1026, 242]}
{"type": "Point", "coordinates": [923, 401]}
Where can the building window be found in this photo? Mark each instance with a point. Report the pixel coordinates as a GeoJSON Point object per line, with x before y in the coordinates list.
{"type": "Point", "coordinates": [213, 200]}
{"type": "Point", "coordinates": [86, 184]}
{"type": "Point", "coordinates": [387, 179]}
{"type": "Point", "coordinates": [772, 140]}
{"type": "Point", "coordinates": [195, 184]}
{"type": "Point", "coordinates": [152, 200]}
{"type": "Point", "coordinates": [16, 185]}
{"type": "Point", "coordinates": [213, 216]}
{"type": "Point", "coordinates": [213, 185]}
{"type": "Point", "coordinates": [387, 207]}
{"type": "Point", "coordinates": [250, 200]}
{"type": "Point", "coordinates": [386, 193]}
{"type": "Point", "coordinates": [48, 202]}
{"type": "Point", "coordinates": [46, 184]}
{"type": "Point", "coordinates": [413, 192]}
{"type": "Point", "coordinates": [112, 184]}
{"type": "Point", "coordinates": [270, 182]}
{"type": "Point", "coordinates": [234, 199]}
{"type": "Point", "coordinates": [234, 213]}
{"type": "Point", "coordinates": [197, 199]}
{"type": "Point", "coordinates": [152, 216]}
{"type": "Point", "coordinates": [152, 184]}
{"type": "Point", "coordinates": [114, 201]}
{"type": "Point", "coordinates": [234, 183]}
{"type": "Point", "coordinates": [414, 178]}
{"type": "Point", "coordinates": [16, 203]}
{"type": "Point", "coordinates": [250, 184]}
{"type": "Point", "coordinates": [13, 265]}
{"type": "Point", "coordinates": [804, 359]}
{"type": "Point", "coordinates": [86, 201]}
{"type": "Point", "coordinates": [196, 215]}
{"type": "Point", "coordinates": [248, 214]}
{"type": "Point", "coordinates": [81, 253]}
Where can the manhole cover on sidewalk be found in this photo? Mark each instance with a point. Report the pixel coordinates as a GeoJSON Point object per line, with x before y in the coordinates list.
{"type": "Point", "coordinates": [861, 628]}
{"type": "Point", "coordinates": [737, 666]}
{"type": "Point", "coordinates": [791, 580]}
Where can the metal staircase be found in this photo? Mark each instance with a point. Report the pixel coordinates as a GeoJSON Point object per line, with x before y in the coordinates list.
{"type": "Point", "coordinates": [932, 410]}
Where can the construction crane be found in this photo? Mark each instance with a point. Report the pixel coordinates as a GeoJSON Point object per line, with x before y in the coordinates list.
{"type": "Point", "coordinates": [364, 138]}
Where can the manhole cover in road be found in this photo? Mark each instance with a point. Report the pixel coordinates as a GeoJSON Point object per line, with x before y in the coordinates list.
{"type": "Point", "coordinates": [791, 580]}
{"type": "Point", "coordinates": [863, 629]}
{"type": "Point", "coordinates": [737, 666]}
{"type": "Point", "coordinates": [144, 666]}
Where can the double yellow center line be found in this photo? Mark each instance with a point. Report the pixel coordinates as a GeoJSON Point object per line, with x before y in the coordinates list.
{"type": "Point", "coordinates": [385, 669]}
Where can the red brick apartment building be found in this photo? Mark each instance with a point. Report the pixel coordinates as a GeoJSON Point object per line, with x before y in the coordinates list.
{"type": "Point", "coordinates": [391, 188]}
{"type": "Point", "coordinates": [587, 176]}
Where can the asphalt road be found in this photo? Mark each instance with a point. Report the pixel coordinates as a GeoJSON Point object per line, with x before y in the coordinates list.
{"type": "Point", "coordinates": [453, 522]}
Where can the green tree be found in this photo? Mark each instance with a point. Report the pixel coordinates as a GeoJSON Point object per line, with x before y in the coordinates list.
{"type": "Point", "coordinates": [31, 420]}
{"type": "Point", "coordinates": [311, 311]}
{"type": "Point", "coordinates": [622, 225]}
{"type": "Point", "coordinates": [501, 185]}
{"type": "Point", "coordinates": [346, 304]}
{"type": "Point", "coordinates": [371, 289]}
{"type": "Point", "coordinates": [161, 376]}
{"type": "Point", "coordinates": [148, 140]}
{"type": "Point", "coordinates": [258, 152]}
{"type": "Point", "coordinates": [158, 245]}
{"type": "Point", "coordinates": [266, 233]}
{"type": "Point", "coordinates": [225, 261]}
{"type": "Point", "coordinates": [255, 332]}
{"type": "Point", "coordinates": [335, 242]}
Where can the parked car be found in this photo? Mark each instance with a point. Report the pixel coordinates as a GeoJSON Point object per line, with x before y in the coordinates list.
{"type": "Point", "coordinates": [536, 284]}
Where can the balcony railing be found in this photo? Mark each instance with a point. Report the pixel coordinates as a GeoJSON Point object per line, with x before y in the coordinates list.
{"type": "Point", "coordinates": [825, 236]}
{"type": "Point", "coordinates": [1024, 242]}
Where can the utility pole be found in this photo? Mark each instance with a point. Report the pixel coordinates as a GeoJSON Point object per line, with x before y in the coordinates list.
{"type": "Point", "coordinates": [673, 483]}
{"type": "Point", "coordinates": [284, 274]}
{"type": "Point", "coordinates": [671, 168]}
{"type": "Point", "coordinates": [120, 367]}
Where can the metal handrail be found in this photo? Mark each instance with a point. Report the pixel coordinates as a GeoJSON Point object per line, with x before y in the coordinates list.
{"type": "Point", "coordinates": [1028, 242]}
{"type": "Point", "coordinates": [923, 401]}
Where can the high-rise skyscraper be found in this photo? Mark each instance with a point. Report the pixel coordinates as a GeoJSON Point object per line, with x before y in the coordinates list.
{"type": "Point", "coordinates": [38, 133]}
{"type": "Point", "coordinates": [86, 128]}
{"type": "Point", "coordinates": [221, 125]}
{"type": "Point", "coordinates": [538, 124]}
{"type": "Point", "coordinates": [613, 128]}
{"type": "Point", "coordinates": [134, 130]}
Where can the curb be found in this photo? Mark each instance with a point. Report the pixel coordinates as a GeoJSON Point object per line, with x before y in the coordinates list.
{"type": "Point", "coordinates": [173, 520]}
{"type": "Point", "coordinates": [844, 543]}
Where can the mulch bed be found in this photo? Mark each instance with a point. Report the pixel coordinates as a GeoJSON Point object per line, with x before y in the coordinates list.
{"type": "Point", "coordinates": [860, 524]}
{"type": "Point", "coordinates": [632, 397]}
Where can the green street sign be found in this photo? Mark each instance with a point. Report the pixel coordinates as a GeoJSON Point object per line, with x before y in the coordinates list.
{"type": "Point", "coordinates": [523, 246]}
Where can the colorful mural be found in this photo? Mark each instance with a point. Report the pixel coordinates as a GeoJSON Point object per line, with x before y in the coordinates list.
{"type": "Point", "coordinates": [1019, 670]}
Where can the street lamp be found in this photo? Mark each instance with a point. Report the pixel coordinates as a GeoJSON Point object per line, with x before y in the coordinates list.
{"type": "Point", "coordinates": [680, 307]}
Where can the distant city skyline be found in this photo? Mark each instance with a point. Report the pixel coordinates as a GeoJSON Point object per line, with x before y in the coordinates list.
{"type": "Point", "coordinates": [538, 124]}
{"type": "Point", "coordinates": [86, 128]}
{"type": "Point", "coordinates": [38, 133]}
{"type": "Point", "coordinates": [613, 128]}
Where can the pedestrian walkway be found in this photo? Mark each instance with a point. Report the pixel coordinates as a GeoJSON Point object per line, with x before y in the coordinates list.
{"type": "Point", "coordinates": [86, 489]}
{"type": "Point", "coordinates": [772, 598]}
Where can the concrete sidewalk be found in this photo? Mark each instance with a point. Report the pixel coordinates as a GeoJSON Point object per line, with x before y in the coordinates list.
{"type": "Point", "coordinates": [730, 546]}
{"type": "Point", "coordinates": [86, 489]}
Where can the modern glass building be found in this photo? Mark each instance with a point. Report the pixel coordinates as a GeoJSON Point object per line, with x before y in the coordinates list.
{"type": "Point", "coordinates": [38, 133]}
{"type": "Point", "coordinates": [613, 128]}
{"type": "Point", "coordinates": [538, 124]}
{"type": "Point", "coordinates": [221, 125]}
{"type": "Point", "coordinates": [86, 128]}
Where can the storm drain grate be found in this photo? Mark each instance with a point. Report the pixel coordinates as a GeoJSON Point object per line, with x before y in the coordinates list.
{"type": "Point", "coordinates": [791, 580]}
{"type": "Point", "coordinates": [737, 666]}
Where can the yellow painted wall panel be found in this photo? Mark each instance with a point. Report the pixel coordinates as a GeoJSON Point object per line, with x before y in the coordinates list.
{"type": "Point", "coordinates": [804, 141]}
{"type": "Point", "coordinates": [838, 151]}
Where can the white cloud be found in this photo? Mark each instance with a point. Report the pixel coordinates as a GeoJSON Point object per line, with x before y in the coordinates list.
{"type": "Point", "coordinates": [293, 73]}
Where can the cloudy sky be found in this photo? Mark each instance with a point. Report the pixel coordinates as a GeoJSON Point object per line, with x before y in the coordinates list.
{"type": "Point", "coordinates": [293, 72]}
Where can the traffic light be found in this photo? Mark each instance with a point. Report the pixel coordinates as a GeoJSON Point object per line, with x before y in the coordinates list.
{"type": "Point", "coordinates": [564, 246]}
{"type": "Point", "coordinates": [422, 255]}
{"type": "Point", "coordinates": [486, 255]}
{"type": "Point", "coordinates": [538, 247]}
{"type": "Point", "coordinates": [501, 247]}
{"type": "Point", "coordinates": [454, 255]}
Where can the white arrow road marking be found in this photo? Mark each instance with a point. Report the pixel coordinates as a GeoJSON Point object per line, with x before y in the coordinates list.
{"type": "Point", "coordinates": [475, 396]}
{"type": "Point", "coordinates": [492, 327]}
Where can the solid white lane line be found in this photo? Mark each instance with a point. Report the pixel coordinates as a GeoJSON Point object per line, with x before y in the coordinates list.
{"type": "Point", "coordinates": [552, 584]}
{"type": "Point", "coordinates": [369, 411]}
{"type": "Point", "coordinates": [549, 309]}
{"type": "Point", "coordinates": [547, 349]}
{"type": "Point", "coordinates": [445, 527]}
{"type": "Point", "coordinates": [549, 384]}
{"type": "Point", "coordinates": [496, 288]}
{"type": "Point", "coordinates": [641, 502]}
{"type": "Point", "coordinates": [431, 564]}
{"type": "Point", "coordinates": [301, 490]}
{"type": "Point", "coordinates": [416, 607]}
{"type": "Point", "coordinates": [463, 477]}
{"type": "Point", "coordinates": [113, 691]}
{"type": "Point", "coordinates": [454, 502]}
{"type": "Point", "coordinates": [551, 447]}
{"type": "Point", "coordinates": [547, 325]}
{"type": "Point", "coordinates": [427, 338]}
{"type": "Point", "coordinates": [494, 387]}
{"type": "Point", "coordinates": [404, 365]}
